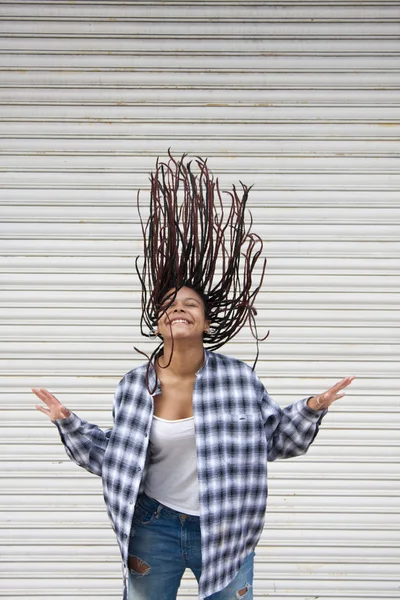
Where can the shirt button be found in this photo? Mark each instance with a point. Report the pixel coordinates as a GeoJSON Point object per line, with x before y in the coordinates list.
{"type": "Point", "coordinates": [124, 536]}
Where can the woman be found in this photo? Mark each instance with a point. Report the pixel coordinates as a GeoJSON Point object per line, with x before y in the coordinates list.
{"type": "Point", "coordinates": [184, 466]}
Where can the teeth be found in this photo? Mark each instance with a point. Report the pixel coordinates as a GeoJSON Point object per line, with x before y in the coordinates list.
{"type": "Point", "coordinates": [181, 321]}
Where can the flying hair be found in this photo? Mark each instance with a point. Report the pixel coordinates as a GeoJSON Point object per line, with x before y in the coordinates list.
{"type": "Point", "coordinates": [193, 238]}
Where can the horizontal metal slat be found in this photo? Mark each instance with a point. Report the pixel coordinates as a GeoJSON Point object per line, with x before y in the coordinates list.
{"type": "Point", "coordinates": [50, 332]}
{"type": "Point", "coordinates": [87, 518]}
{"type": "Point", "coordinates": [263, 128]}
{"type": "Point", "coordinates": [307, 366]}
{"type": "Point", "coordinates": [357, 401]}
{"type": "Point", "coordinates": [289, 77]}
{"type": "Point", "coordinates": [275, 232]}
{"type": "Point", "coordinates": [378, 264]}
{"type": "Point", "coordinates": [275, 317]}
{"type": "Point", "coordinates": [240, 164]}
{"type": "Point", "coordinates": [288, 469]}
{"type": "Point", "coordinates": [222, 11]}
{"type": "Point", "coordinates": [318, 453]}
{"type": "Point", "coordinates": [307, 586]}
{"type": "Point", "coordinates": [348, 444]}
{"type": "Point", "coordinates": [277, 199]}
{"type": "Point", "coordinates": [295, 179]}
{"type": "Point", "coordinates": [227, 147]}
{"type": "Point", "coordinates": [79, 481]}
{"type": "Point", "coordinates": [296, 44]}
{"type": "Point", "coordinates": [128, 297]}
{"type": "Point", "coordinates": [204, 27]}
{"type": "Point", "coordinates": [245, 113]}
{"type": "Point", "coordinates": [272, 537]}
{"type": "Point", "coordinates": [85, 351]}
{"type": "Point", "coordinates": [275, 282]}
{"type": "Point", "coordinates": [267, 570]}
{"type": "Point", "coordinates": [276, 504]}
{"type": "Point", "coordinates": [96, 552]}
{"type": "Point", "coordinates": [90, 392]}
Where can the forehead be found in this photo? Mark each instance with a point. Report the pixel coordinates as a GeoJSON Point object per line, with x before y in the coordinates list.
{"type": "Point", "coordinates": [184, 293]}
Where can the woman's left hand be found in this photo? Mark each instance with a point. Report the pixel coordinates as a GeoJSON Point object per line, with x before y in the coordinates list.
{"type": "Point", "coordinates": [323, 401]}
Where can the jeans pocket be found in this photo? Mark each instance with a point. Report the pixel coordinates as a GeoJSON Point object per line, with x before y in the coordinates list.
{"type": "Point", "coordinates": [143, 515]}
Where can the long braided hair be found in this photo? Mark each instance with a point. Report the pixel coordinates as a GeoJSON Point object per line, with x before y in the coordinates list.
{"type": "Point", "coordinates": [193, 238]}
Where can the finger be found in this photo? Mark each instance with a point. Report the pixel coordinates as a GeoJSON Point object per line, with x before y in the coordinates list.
{"type": "Point", "coordinates": [48, 398]}
{"type": "Point", "coordinates": [47, 394]}
{"type": "Point", "coordinates": [342, 384]}
{"type": "Point", "coordinates": [43, 409]}
{"type": "Point", "coordinates": [40, 395]}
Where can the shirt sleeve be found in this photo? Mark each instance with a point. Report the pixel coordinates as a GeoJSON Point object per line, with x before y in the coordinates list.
{"type": "Point", "coordinates": [86, 443]}
{"type": "Point", "coordinates": [289, 431]}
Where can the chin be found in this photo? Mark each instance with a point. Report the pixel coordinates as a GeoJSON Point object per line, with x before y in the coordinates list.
{"type": "Point", "coordinates": [183, 335]}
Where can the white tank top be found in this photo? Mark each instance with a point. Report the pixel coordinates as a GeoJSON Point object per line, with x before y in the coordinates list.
{"type": "Point", "coordinates": [172, 475]}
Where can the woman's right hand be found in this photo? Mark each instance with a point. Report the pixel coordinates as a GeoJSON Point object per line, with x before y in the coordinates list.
{"type": "Point", "coordinates": [53, 409]}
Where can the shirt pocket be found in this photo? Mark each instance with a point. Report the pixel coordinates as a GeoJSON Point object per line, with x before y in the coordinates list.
{"type": "Point", "coordinates": [241, 436]}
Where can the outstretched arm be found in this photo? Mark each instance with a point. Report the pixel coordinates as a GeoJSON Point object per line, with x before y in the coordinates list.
{"type": "Point", "coordinates": [85, 443]}
{"type": "Point", "coordinates": [290, 431]}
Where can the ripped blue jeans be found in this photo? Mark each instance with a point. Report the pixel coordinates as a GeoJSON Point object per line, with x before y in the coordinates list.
{"type": "Point", "coordinates": [164, 544]}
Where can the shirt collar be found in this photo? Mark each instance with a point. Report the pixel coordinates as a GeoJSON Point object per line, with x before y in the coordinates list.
{"type": "Point", "coordinates": [206, 357]}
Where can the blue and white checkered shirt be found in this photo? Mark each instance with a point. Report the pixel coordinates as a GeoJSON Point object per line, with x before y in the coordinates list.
{"type": "Point", "coordinates": [238, 428]}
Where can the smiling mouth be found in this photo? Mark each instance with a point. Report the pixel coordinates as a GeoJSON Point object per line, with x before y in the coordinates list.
{"type": "Point", "coordinates": [184, 321]}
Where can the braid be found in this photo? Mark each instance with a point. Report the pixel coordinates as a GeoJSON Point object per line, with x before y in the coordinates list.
{"type": "Point", "coordinates": [191, 240]}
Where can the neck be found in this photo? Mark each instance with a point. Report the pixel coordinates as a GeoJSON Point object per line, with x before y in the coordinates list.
{"type": "Point", "coordinates": [186, 360]}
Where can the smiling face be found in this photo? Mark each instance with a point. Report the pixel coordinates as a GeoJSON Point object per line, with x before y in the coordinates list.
{"type": "Point", "coordinates": [185, 318]}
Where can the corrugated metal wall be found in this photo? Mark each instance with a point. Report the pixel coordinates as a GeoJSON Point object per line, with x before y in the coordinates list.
{"type": "Point", "coordinates": [301, 99]}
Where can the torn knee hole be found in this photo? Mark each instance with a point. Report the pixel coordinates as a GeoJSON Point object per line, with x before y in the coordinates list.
{"type": "Point", "coordinates": [243, 591]}
{"type": "Point", "coordinates": [138, 565]}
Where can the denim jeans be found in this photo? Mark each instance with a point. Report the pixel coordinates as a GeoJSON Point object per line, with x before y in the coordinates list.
{"type": "Point", "coordinates": [163, 544]}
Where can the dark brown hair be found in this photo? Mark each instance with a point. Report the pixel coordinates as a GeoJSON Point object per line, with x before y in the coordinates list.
{"type": "Point", "coordinates": [193, 238]}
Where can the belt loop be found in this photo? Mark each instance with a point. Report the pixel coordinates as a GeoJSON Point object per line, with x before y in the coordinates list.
{"type": "Point", "coordinates": [158, 512]}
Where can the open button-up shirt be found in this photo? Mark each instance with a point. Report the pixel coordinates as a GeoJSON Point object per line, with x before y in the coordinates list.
{"type": "Point", "coordinates": [238, 428]}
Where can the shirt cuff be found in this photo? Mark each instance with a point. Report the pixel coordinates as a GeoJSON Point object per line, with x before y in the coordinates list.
{"type": "Point", "coordinates": [312, 415]}
{"type": "Point", "coordinates": [69, 424]}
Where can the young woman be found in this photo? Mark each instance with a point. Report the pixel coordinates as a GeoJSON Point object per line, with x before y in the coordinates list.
{"type": "Point", "coordinates": [184, 467]}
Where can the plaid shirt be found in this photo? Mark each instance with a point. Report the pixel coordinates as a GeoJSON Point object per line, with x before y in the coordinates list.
{"type": "Point", "coordinates": [238, 428]}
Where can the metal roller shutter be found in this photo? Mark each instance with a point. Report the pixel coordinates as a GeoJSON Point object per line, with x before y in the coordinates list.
{"type": "Point", "coordinates": [299, 98]}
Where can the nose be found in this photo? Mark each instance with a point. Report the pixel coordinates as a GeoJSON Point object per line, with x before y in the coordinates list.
{"type": "Point", "coordinates": [179, 308]}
